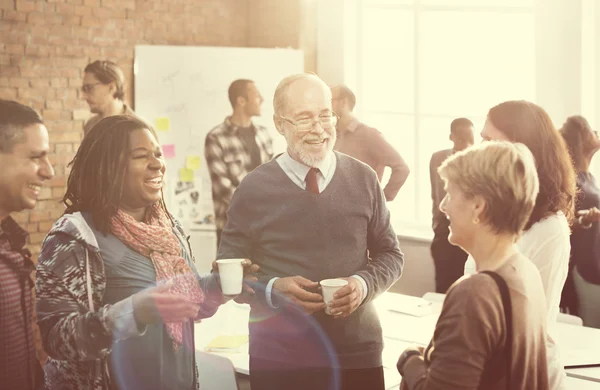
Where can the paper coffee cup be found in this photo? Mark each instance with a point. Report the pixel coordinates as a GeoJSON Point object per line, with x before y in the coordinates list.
{"type": "Point", "coordinates": [329, 287]}
{"type": "Point", "coordinates": [231, 273]}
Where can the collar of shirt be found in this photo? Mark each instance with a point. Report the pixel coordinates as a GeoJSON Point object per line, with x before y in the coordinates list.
{"type": "Point", "coordinates": [232, 128]}
{"type": "Point", "coordinates": [11, 231]}
{"type": "Point", "coordinates": [297, 171]}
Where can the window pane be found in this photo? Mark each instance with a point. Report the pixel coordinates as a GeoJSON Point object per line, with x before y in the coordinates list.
{"type": "Point", "coordinates": [388, 2]}
{"type": "Point", "coordinates": [480, 3]}
{"type": "Point", "coordinates": [399, 130]}
{"type": "Point", "coordinates": [388, 60]}
{"type": "Point", "coordinates": [471, 61]}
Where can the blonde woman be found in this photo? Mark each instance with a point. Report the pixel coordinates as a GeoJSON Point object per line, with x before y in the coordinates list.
{"type": "Point", "coordinates": [492, 329]}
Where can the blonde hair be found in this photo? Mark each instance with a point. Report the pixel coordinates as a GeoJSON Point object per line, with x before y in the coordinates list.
{"type": "Point", "coordinates": [280, 96]}
{"type": "Point", "coordinates": [504, 175]}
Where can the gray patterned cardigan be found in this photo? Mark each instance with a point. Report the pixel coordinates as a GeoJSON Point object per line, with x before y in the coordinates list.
{"type": "Point", "coordinates": [78, 340]}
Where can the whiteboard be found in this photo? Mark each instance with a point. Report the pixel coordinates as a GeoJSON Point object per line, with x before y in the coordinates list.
{"type": "Point", "coordinates": [183, 91]}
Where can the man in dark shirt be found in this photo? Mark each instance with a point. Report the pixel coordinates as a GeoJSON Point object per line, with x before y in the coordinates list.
{"type": "Point", "coordinates": [365, 143]}
{"type": "Point", "coordinates": [25, 166]}
{"type": "Point", "coordinates": [449, 260]}
{"type": "Point", "coordinates": [235, 147]}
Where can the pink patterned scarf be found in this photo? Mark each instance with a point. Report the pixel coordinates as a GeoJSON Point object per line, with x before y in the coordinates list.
{"type": "Point", "coordinates": [155, 239]}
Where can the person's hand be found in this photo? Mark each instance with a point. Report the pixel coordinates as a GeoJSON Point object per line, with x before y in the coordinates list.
{"type": "Point", "coordinates": [157, 304]}
{"type": "Point", "coordinates": [295, 289]}
{"type": "Point", "coordinates": [346, 299]}
{"type": "Point", "coordinates": [589, 216]}
{"type": "Point", "coordinates": [250, 278]}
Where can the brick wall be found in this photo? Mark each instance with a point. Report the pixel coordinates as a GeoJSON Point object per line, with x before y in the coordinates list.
{"type": "Point", "coordinates": [45, 44]}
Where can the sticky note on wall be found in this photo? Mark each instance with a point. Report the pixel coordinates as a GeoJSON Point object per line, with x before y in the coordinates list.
{"type": "Point", "coordinates": [168, 151]}
{"type": "Point", "coordinates": [186, 175]}
{"type": "Point", "coordinates": [163, 124]}
{"type": "Point", "coordinates": [193, 162]}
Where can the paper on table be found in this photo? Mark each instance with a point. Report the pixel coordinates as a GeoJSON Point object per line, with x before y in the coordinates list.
{"type": "Point", "coordinates": [226, 343]}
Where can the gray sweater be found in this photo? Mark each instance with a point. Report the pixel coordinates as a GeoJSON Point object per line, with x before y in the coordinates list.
{"type": "Point", "coordinates": [289, 231]}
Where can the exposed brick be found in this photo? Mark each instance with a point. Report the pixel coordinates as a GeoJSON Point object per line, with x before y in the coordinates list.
{"type": "Point", "coordinates": [65, 137]}
{"type": "Point", "coordinates": [54, 104]}
{"type": "Point", "coordinates": [107, 13]}
{"type": "Point", "coordinates": [38, 215]}
{"type": "Point", "coordinates": [39, 83]}
{"type": "Point", "coordinates": [83, 10]}
{"type": "Point", "coordinates": [44, 227]}
{"type": "Point", "coordinates": [25, 5]}
{"type": "Point", "coordinates": [18, 82]}
{"type": "Point", "coordinates": [36, 18]}
{"type": "Point", "coordinates": [63, 8]}
{"type": "Point", "coordinates": [17, 16]}
{"type": "Point", "coordinates": [56, 1]}
{"type": "Point", "coordinates": [8, 93]}
{"type": "Point", "coordinates": [91, 3]}
{"type": "Point", "coordinates": [15, 49]}
{"type": "Point", "coordinates": [21, 217]}
{"type": "Point", "coordinates": [59, 82]}
{"type": "Point", "coordinates": [52, 115]}
{"type": "Point", "coordinates": [7, 5]}
{"type": "Point", "coordinates": [45, 193]}
{"type": "Point", "coordinates": [63, 148]}
{"type": "Point", "coordinates": [31, 227]}
{"type": "Point", "coordinates": [57, 213]}
{"type": "Point", "coordinates": [81, 114]}
{"type": "Point", "coordinates": [36, 238]}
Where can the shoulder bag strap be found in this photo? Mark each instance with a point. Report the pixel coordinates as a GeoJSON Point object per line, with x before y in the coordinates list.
{"type": "Point", "coordinates": [507, 304]}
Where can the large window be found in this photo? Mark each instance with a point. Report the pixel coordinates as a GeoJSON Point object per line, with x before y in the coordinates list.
{"type": "Point", "coordinates": [418, 64]}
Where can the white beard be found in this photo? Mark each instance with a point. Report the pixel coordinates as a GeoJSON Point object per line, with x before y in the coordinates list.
{"type": "Point", "coordinates": [309, 159]}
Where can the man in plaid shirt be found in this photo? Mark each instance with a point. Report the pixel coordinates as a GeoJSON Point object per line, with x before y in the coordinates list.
{"type": "Point", "coordinates": [236, 147]}
{"type": "Point", "coordinates": [25, 166]}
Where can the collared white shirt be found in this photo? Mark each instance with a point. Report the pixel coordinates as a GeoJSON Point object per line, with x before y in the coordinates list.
{"type": "Point", "coordinates": [297, 171]}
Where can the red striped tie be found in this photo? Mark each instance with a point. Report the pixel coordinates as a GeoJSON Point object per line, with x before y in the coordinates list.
{"type": "Point", "coordinates": [311, 180]}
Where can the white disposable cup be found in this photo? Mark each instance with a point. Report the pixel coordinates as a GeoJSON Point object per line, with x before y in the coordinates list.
{"type": "Point", "coordinates": [231, 273]}
{"type": "Point", "coordinates": [329, 287]}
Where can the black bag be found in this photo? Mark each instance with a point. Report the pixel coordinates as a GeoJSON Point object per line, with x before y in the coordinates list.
{"type": "Point", "coordinates": [507, 305]}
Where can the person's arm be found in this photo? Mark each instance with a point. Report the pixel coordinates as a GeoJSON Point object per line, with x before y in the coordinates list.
{"type": "Point", "coordinates": [390, 157]}
{"type": "Point", "coordinates": [470, 325]}
{"type": "Point", "coordinates": [387, 261]}
{"type": "Point", "coordinates": [222, 186]}
{"type": "Point", "coordinates": [549, 249]}
{"type": "Point", "coordinates": [69, 330]}
{"type": "Point", "coordinates": [433, 179]}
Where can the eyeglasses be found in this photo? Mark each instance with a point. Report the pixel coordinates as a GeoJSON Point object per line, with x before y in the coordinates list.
{"type": "Point", "coordinates": [87, 88]}
{"type": "Point", "coordinates": [306, 125]}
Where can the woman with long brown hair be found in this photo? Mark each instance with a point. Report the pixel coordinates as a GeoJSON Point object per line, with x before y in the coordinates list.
{"type": "Point", "coordinates": [117, 289]}
{"type": "Point", "coordinates": [545, 240]}
{"type": "Point", "coordinates": [582, 291]}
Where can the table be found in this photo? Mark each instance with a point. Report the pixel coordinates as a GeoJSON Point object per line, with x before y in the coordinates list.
{"type": "Point", "coordinates": [578, 345]}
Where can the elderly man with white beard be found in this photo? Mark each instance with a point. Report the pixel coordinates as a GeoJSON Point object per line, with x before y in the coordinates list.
{"type": "Point", "coordinates": [312, 214]}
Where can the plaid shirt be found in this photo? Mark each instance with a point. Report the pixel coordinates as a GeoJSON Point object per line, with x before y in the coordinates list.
{"type": "Point", "coordinates": [229, 162]}
{"type": "Point", "coordinates": [18, 362]}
